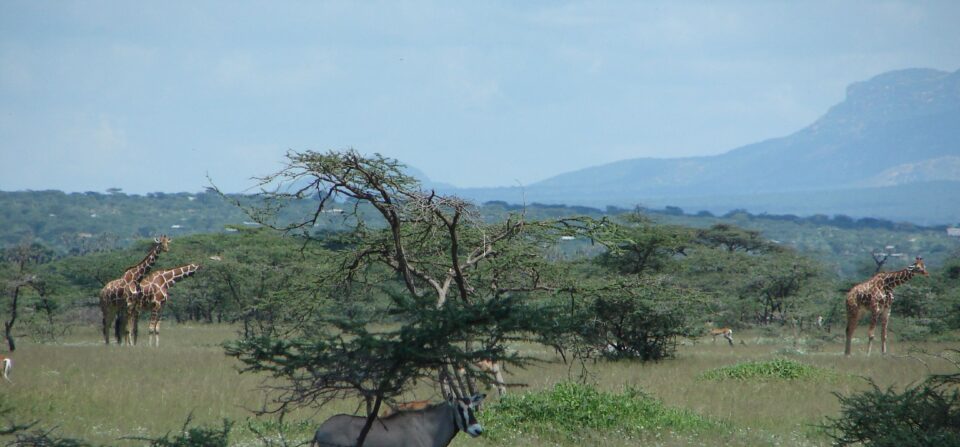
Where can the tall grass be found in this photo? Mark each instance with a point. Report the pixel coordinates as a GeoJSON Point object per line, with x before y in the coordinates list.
{"type": "Point", "coordinates": [102, 394]}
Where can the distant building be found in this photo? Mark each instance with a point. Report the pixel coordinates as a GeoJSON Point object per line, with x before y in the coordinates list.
{"type": "Point", "coordinates": [953, 232]}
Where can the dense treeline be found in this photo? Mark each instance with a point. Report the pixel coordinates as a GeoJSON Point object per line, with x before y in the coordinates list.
{"type": "Point", "coordinates": [81, 223]}
{"type": "Point", "coordinates": [742, 270]}
{"type": "Point", "coordinates": [745, 278]}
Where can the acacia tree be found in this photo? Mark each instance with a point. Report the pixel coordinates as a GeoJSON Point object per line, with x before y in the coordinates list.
{"type": "Point", "coordinates": [463, 287]}
{"type": "Point", "coordinates": [777, 285]}
{"type": "Point", "coordinates": [641, 246]}
{"type": "Point", "coordinates": [20, 278]}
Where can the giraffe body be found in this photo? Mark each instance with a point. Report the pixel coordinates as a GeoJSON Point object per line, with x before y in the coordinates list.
{"type": "Point", "coordinates": [156, 292]}
{"type": "Point", "coordinates": [119, 297]}
{"type": "Point", "coordinates": [876, 294]}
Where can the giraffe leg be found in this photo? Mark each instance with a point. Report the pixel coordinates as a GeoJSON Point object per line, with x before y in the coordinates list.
{"type": "Point", "coordinates": [853, 315]}
{"type": "Point", "coordinates": [122, 333]}
{"type": "Point", "coordinates": [155, 326]}
{"type": "Point", "coordinates": [136, 328]}
{"type": "Point", "coordinates": [108, 320]}
{"type": "Point", "coordinates": [129, 326]}
{"type": "Point", "coordinates": [873, 325]}
{"type": "Point", "coordinates": [884, 319]}
{"type": "Point", "coordinates": [118, 327]}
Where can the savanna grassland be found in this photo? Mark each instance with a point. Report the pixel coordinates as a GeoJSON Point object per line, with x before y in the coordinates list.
{"type": "Point", "coordinates": [112, 395]}
{"type": "Point", "coordinates": [371, 290]}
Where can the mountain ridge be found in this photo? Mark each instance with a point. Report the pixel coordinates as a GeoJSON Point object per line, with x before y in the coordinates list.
{"type": "Point", "coordinates": [896, 128]}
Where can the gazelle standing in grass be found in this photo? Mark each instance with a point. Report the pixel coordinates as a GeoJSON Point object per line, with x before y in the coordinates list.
{"type": "Point", "coordinates": [725, 332]}
{"type": "Point", "coordinates": [493, 368]}
{"type": "Point", "coordinates": [6, 364]}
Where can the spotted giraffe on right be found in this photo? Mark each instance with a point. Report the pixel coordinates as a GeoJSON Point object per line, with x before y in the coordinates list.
{"type": "Point", "coordinates": [156, 292]}
{"type": "Point", "coordinates": [876, 294]}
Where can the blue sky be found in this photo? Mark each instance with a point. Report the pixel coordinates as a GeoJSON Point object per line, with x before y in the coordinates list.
{"type": "Point", "coordinates": [157, 96]}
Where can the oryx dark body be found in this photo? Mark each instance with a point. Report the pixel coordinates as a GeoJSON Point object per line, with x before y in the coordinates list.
{"type": "Point", "coordinates": [434, 426]}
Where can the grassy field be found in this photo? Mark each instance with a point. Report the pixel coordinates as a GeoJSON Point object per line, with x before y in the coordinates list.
{"type": "Point", "coordinates": [89, 391]}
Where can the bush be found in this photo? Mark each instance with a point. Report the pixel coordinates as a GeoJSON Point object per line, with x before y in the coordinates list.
{"type": "Point", "coordinates": [569, 409]}
{"type": "Point", "coordinates": [924, 415]}
{"type": "Point", "coordinates": [643, 324]}
{"type": "Point", "coordinates": [779, 368]}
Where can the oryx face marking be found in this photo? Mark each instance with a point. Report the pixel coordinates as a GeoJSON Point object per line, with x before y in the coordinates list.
{"type": "Point", "coordinates": [465, 413]}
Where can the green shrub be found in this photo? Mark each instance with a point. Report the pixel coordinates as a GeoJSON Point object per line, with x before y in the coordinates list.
{"type": "Point", "coordinates": [924, 415]}
{"type": "Point", "coordinates": [568, 409]}
{"type": "Point", "coordinates": [193, 436]}
{"type": "Point", "coordinates": [641, 322]}
{"type": "Point", "coordinates": [779, 368]}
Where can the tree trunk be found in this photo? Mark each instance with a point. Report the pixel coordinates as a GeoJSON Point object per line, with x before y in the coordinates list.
{"type": "Point", "coordinates": [371, 416]}
{"type": "Point", "coordinates": [8, 326]}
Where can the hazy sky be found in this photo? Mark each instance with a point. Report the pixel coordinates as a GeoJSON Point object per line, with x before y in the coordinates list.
{"type": "Point", "coordinates": [155, 96]}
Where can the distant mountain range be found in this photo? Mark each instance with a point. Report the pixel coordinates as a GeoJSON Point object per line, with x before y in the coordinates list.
{"type": "Point", "coordinates": [891, 150]}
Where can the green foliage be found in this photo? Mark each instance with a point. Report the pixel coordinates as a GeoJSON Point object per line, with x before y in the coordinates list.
{"type": "Point", "coordinates": [569, 409]}
{"type": "Point", "coordinates": [927, 414]}
{"type": "Point", "coordinates": [29, 434]}
{"type": "Point", "coordinates": [776, 369]}
{"type": "Point", "coordinates": [641, 246]}
{"type": "Point", "coordinates": [639, 319]}
{"type": "Point", "coordinates": [193, 436]}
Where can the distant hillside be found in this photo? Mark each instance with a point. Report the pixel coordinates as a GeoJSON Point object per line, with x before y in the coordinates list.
{"type": "Point", "coordinates": [899, 128]}
{"type": "Point", "coordinates": [85, 223]}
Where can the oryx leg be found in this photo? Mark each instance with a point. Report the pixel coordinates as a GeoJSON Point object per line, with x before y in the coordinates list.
{"type": "Point", "coordinates": [501, 384]}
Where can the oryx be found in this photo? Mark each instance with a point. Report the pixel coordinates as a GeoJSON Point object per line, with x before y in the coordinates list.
{"type": "Point", "coordinates": [434, 426]}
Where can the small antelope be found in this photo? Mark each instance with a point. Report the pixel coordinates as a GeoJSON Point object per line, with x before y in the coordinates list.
{"type": "Point", "coordinates": [725, 332]}
{"type": "Point", "coordinates": [7, 364]}
{"type": "Point", "coordinates": [413, 405]}
{"type": "Point", "coordinates": [433, 426]}
{"type": "Point", "coordinates": [492, 368]}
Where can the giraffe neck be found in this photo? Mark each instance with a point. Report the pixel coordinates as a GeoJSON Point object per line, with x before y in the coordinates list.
{"type": "Point", "coordinates": [137, 272]}
{"type": "Point", "coordinates": [175, 274]}
{"type": "Point", "coordinates": [894, 279]}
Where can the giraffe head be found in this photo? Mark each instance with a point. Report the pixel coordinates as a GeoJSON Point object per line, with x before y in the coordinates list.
{"type": "Point", "coordinates": [163, 241]}
{"type": "Point", "coordinates": [918, 267]}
